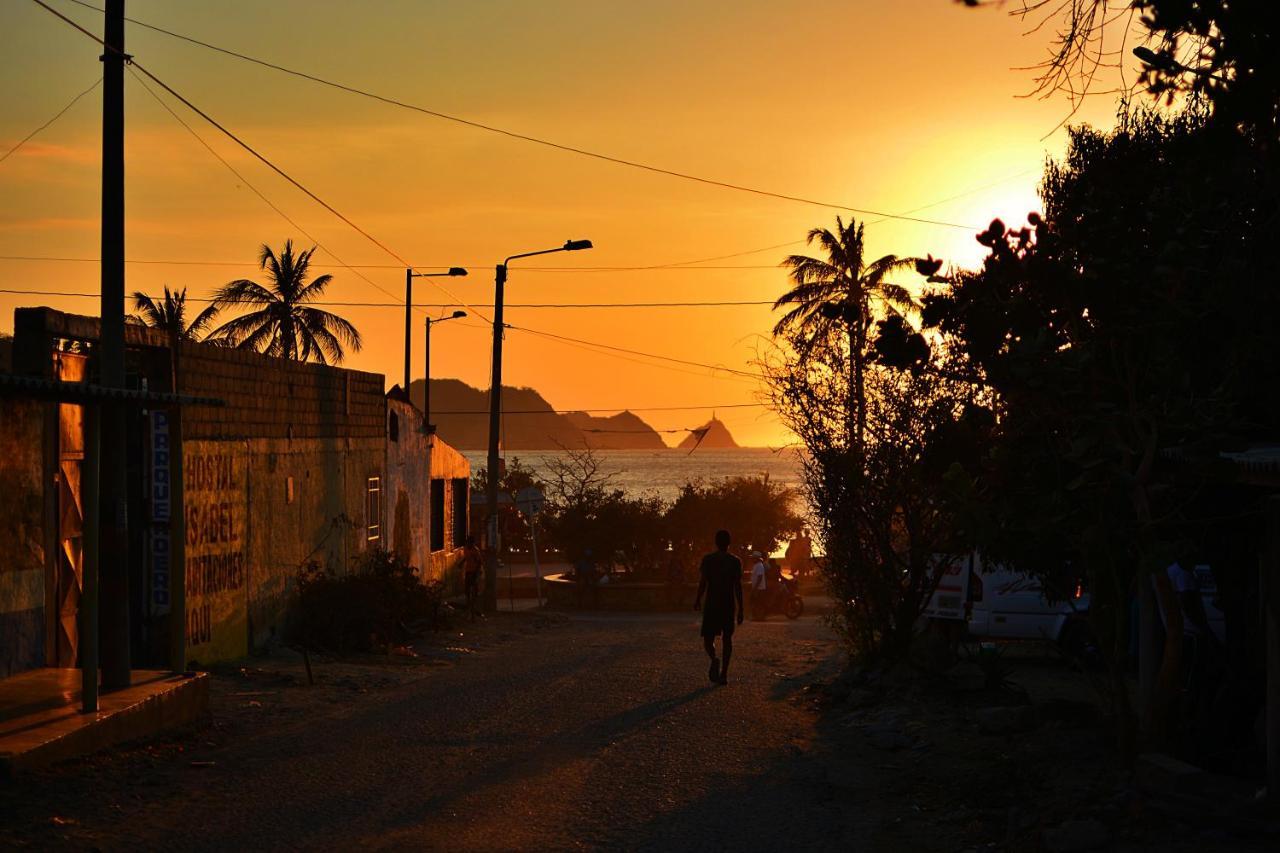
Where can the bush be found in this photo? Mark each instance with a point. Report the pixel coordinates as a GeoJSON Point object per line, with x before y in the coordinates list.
{"type": "Point", "coordinates": [380, 605]}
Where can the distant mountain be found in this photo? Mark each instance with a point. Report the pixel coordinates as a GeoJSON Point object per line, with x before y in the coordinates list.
{"type": "Point", "coordinates": [714, 436]}
{"type": "Point", "coordinates": [623, 431]}
{"type": "Point", "coordinates": [460, 414]}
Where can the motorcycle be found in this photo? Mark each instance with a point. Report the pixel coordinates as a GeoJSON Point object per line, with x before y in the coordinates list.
{"type": "Point", "coordinates": [784, 598]}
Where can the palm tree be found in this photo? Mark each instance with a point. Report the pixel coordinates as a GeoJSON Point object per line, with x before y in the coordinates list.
{"type": "Point", "coordinates": [282, 324]}
{"type": "Point", "coordinates": [839, 291]}
{"type": "Point", "coordinates": [171, 314]}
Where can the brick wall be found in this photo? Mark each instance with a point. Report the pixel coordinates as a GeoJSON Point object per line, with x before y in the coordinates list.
{"type": "Point", "coordinates": [277, 398]}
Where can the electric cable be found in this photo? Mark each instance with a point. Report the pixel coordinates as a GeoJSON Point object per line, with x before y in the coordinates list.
{"type": "Point", "coordinates": [608, 158]}
{"type": "Point", "coordinates": [44, 126]}
{"type": "Point", "coordinates": [252, 188]}
{"type": "Point", "coordinates": [567, 339]}
{"type": "Point", "coordinates": [587, 411]}
{"type": "Point", "coordinates": [246, 146]}
{"type": "Point", "coordinates": [426, 305]}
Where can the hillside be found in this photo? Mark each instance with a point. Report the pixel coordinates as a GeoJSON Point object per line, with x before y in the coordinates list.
{"type": "Point", "coordinates": [623, 431]}
{"type": "Point", "coordinates": [531, 422]}
{"type": "Point", "coordinates": [717, 437]}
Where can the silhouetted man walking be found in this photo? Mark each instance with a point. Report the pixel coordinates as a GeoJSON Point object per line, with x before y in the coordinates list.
{"type": "Point", "coordinates": [722, 584]}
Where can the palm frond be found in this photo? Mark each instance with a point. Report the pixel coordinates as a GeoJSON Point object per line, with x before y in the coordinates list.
{"type": "Point", "coordinates": [197, 328]}
{"type": "Point", "coordinates": [282, 325]}
{"type": "Point", "coordinates": [315, 288]}
{"type": "Point", "coordinates": [242, 291]}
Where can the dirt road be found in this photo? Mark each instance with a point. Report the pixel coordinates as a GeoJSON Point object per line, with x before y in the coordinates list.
{"type": "Point", "coordinates": [594, 732]}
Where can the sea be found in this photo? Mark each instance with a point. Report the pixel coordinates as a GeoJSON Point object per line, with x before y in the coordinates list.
{"type": "Point", "coordinates": [665, 472]}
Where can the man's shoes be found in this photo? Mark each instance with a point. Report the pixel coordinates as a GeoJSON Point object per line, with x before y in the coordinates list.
{"type": "Point", "coordinates": [714, 672]}
{"type": "Point", "coordinates": [722, 680]}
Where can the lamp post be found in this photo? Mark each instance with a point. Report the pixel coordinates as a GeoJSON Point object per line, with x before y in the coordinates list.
{"type": "Point", "coordinates": [426, 366]}
{"type": "Point", "coordinates": [409, 276]}
{"type": "Point", "coordinates": [495, 418]}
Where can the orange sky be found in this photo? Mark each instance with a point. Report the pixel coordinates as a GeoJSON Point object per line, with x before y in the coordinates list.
{"type": "Point", "coordinates": [882, 105]}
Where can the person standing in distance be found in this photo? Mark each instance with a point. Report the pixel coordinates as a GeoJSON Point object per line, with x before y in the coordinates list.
{"type": "Point", "coordinates": [721, 582]}
{"type": "Point", "coordinates": [472, 564]}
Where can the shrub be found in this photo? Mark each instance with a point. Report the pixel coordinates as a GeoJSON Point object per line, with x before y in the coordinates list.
{"type": "Point", "coordinates": [381, 604]}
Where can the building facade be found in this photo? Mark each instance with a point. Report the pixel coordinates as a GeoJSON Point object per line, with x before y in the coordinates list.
{"type": "Point", "coordinates": [303, 465]}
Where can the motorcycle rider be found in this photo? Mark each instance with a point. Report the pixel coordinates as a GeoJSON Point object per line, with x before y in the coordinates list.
{"type": "Point", "coordinates": [775, 585]}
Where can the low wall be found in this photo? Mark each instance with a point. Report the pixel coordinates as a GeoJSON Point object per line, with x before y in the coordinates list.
{"type": "Point", "coordinates": [562, 591]}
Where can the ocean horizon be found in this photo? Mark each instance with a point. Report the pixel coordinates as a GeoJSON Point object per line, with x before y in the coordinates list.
{"type": "Point", "coordinates": [665, 471]}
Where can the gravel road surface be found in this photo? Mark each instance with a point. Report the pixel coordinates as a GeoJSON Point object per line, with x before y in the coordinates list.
{"type": "Point", "coordinates": [582, 733]}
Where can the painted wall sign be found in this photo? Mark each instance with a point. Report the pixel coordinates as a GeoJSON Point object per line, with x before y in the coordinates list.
{"type": "Point", "coordinates": [216, 503]}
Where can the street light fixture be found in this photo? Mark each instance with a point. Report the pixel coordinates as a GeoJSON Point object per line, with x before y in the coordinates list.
{"type": "Point", "coordinates": [409, 276]}
{"type": "Point", "coordinates": [1165, 62]}
{"type": "Point", "coordinates": [495, 416]}
{"type": "Point", "coordinates": [426, 366]}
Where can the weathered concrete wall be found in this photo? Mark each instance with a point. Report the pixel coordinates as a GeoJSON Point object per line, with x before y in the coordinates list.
{"type": "Point", "coordinates": [22, 536]}
{"type": "Point", "coordinates": [302, 442]}
{"type": "Point", "coordinates": [216, 507]}
{"type": "Point", "coordinates": [308, 503]}
{"type": "Point", "coordinates": [408, 475]}
{"type": "Point", "coordinates": [452, 468]}
{"type": "Point", "coordinates": [257, 512]}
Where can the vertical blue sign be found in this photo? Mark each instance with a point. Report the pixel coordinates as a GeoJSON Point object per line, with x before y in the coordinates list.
{"type": "Point", "coordinates": [161, 493]}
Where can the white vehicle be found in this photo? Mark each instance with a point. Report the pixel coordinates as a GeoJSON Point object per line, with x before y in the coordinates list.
{"type": "Point", "coordinates": [998, 603]}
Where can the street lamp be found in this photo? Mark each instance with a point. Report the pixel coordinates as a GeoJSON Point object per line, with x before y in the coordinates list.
{"type": "Point", "coordinates": [409, 276]}
{"type": "Point", "coordinates": [426, 366]}
{"type": "Point", "coordinates": [495, 417]}
{"type": "Point", "coordinates": [1165, 62]}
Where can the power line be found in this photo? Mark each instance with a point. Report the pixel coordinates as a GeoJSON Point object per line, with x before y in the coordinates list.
{"type": "Point", "coordinates": [674, 266]}
{"type": "Point", "coordinates": [565, 338]}
{"type": "Point", "coordinates": [250, 185]}
{"type": "Point", "coordinates": [608, 158]}
{"type": "Point", "coordinates": [196, 263]}
{"type": "Point", "coordinates": [246, 146]}
{"type": "Point", "coordinates": [607, 409]}
{"type": "Point", "coordinates": [706, 304]}
{"type": "Point", "coordinates": [425, 305]}
{"type": "Point", "coordinates": [56, 116]}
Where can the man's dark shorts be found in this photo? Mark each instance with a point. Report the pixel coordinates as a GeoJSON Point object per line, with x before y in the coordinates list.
{"type": "Point", "coordinates": [715, 624]}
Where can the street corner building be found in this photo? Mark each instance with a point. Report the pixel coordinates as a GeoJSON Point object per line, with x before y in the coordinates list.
{"type": "Point", "coordinates": [301, 466]}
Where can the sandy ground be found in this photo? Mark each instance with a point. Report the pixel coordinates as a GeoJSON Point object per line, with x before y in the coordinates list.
{"type": "Point", "coordinates": [586, 732]}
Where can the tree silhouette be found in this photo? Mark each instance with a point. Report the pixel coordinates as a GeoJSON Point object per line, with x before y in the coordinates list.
{"type": "Point", "coordinates": [835, 294]}
{"type": "Point", "coordinates": [170, 315]}
{"type": "Point", "coordinates": [282, 324]}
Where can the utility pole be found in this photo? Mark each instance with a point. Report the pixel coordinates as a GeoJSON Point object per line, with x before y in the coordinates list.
{"type": "Point", "coordinates": [495, 419]}
{"type": "Point", "coordinates": [495, 424]}
{"type": "Point", "coordinates": [113, 564]}
{"type": "Point", "coordinates": [426, 376]}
